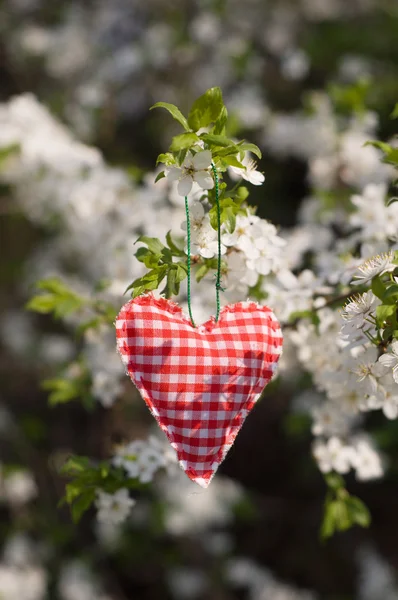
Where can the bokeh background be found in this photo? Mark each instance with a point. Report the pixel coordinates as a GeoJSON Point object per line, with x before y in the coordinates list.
{"type": "Point", "coordinates": [98, 66]}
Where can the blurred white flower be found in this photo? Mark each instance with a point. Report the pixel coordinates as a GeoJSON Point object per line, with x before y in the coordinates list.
{"type": "Point", "coordinates": [27, 583]}
{"type": "Point", "coordinates": [366, 460]}
{"type": "Point", "coordinates": [143, 458]}
{"type": "Point", "coordinates": [114, 508]}
{"type": "Point", "coordinates": [19, 487]}
{"type": "Point", "coordinates": [187, 583]}
{"type": "Point", "coordinates": [376, 220]}
{"type": "Point", "coordinates": [333, 455]}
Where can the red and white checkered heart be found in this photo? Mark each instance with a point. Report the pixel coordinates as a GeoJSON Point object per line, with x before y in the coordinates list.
{"type": "Point", "coordinates": [199, 383]}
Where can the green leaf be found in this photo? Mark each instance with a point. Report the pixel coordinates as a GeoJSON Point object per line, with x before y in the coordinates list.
{"type": "Point", "coordinates": [391, 153]}
{"type": "Point", "coordinates": [62, 390]}
{"type": "Point", "coordinates": [172, 287]}
{"type": "Point", "coordinates": [219, 127]}
{"type": "Point", "coordinates": [230, 150]}
{"type": "Point", "coordinates": [43, 304]}
{"type": "Point", "coordinates": [391, 200]}
{"type": "Point", "coordinates": [394, 114]}
{"type": "Point", "coordinates": [142, 253]}
{"type": "Point", "coordinates": [181, 272]}
{"type": "Point", "coordinates": [386, 148]}
{"type": "Point", "coordinates": [82, 504]}
{"type": "Point", "coordinates": [66, 306]}
{"type": "Point", "coordinates": [228, 211]}
{"type": "Point", "coordinates": [352, 97]}
{"type": "Point", "coordinates": [104, 469]}
{"type": "Point", "coordinates": [358, 511]}
{"type": "Point", "coordinates": [386, 313]}
{"type": "Point", "coordinates": [202, 271]}
{"type": "Point", "coordinates": [334, 481]}
{"type": "Point", "coordinates": [242, 193]}
{"type": "Point", "coordinates": [154, 244]}
{"type": "Point", "coordinates": [160, 176]}
{"type": "Point", "coordinates": [217, 140]}
{"type": "Point", "coordinates": [392, 157]}
{"type": "Point", "coordinates": [329, 520]}
{"type": "Point", "coordinates": [167, 256]}
{"type": "Point", "coordinates": [184, 141]}
{"type": "Point", "coordinates": [206, 109]}
{"type": "Point", "coordinates": [378, 287]}
{"type": "Point", "coordinates": [53, 285]}
{"type": "Point", "coordinates": [75, 464]}
{"type": "Point", "coordinates": [248, 147]}
{"type": "Point", "coordinates": [72, 491]}
{"type": "Point", "coordinates": [8, 151]}
{"type": "Point", "coordinates": [173, 246]}
{"type": "Point", "coordinates": [60, 300]}
{"type": "Point", "coordinates": [174, 111]}
{"type": "Point", "coordinates": [391, 293]}
{"type": "Point", "coordinates": [232, 161]}
{"type": "Point", "coordinates": [150, 281]}
{"type": "Point", "coordinates": [342, 515]}
{"type": "Point", "coordinates": [166, 158]}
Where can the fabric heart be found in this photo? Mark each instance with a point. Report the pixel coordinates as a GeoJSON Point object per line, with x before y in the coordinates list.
{"type": "Point", "coordinates": [199, 383]}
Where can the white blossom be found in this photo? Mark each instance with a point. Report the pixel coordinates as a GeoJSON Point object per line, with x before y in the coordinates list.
{"type": "Point", "coordinates": [377, 265]}
{"type": "Point", "coordinates": [195, 168]}
{"type": "Point", "coordinates": [248, 172]}
{"type": "Point", "coordinates": [367, 370]}
{"type": "Point", "coordinates": [390, 360]}
{"type": "Point", "coordinates": [356, 313]}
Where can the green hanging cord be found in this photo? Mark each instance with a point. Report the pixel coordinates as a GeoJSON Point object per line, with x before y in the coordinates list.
{"type": "Point", "coordinates": [189, 261]}
{"type": "Point", "coordinates": [218, 279]}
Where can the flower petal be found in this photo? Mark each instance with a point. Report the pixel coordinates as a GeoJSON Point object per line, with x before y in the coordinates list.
{"type": "Point", "coordinates": [204, 179]}
{"type": "Point", "coordinates": [254, 177]}
{"type": "Point", "coordinates": [188, 161]}
{"type": "Point", "coordinates": [197, 211]}
{"type": "Point", "coordinates": [202, 160]}
{"type": "Point", "coordinates": [388, 360]}
{"type": "Point", "coordinates": [173, 173]}
{"type": "Point", "coordinates": [185, 185]}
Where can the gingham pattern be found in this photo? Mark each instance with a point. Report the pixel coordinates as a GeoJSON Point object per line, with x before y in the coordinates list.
{"type": "Point", "coordinates": [199, 383]}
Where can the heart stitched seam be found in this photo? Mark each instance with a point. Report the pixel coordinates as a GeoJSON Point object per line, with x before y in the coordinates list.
{"type": "Point", "coordinates": [199, 383]}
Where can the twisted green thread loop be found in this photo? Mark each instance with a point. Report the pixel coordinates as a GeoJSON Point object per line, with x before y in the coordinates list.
{"type": "Point", "coordinates": [218, 275]}
{"type": "Point", "coordinates": [189, 261]}
{"type": "Point", "coordinates": [218, 280]}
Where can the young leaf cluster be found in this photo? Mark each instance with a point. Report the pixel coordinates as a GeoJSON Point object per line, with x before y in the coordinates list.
{"type": "Point", "coordinates": [86, 478]}
{"type": "Point", "coordinates": [205, 129]}
{"type": "Point", "coordinates": [72, 384]}
{"type": "Point", "coordinates": [60, 301]}
{"type": "Point", "coordinates": [342, 510]}
{"type": "Point", "coordinates": [159, 259]}
{"type": "Point", "coordinates": [57, 299]}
